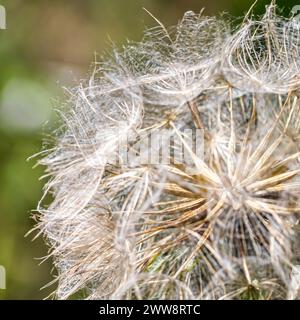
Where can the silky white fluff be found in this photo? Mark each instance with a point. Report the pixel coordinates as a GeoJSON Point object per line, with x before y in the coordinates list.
{"type": "Point", "coordinates": [119, 230]}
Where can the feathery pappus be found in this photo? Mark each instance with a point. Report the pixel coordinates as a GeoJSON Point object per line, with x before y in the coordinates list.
{"type": "Point", "coordinates": [137, 217]}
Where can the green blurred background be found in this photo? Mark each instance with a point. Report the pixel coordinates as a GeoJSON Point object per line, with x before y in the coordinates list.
{"type": "Point", "coordinates": [49, 45]}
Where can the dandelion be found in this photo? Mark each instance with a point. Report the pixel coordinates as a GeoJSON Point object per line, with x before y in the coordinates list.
{"type": "Point", "coordinates": [141, 230]}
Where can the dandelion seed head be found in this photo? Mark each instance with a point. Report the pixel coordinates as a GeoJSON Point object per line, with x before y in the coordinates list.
{"type": "Point", "coordinates": [137, 229]}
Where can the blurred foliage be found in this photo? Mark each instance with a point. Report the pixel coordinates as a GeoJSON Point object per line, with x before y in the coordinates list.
{"type": "Point", "coordinates": [48, 45]}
